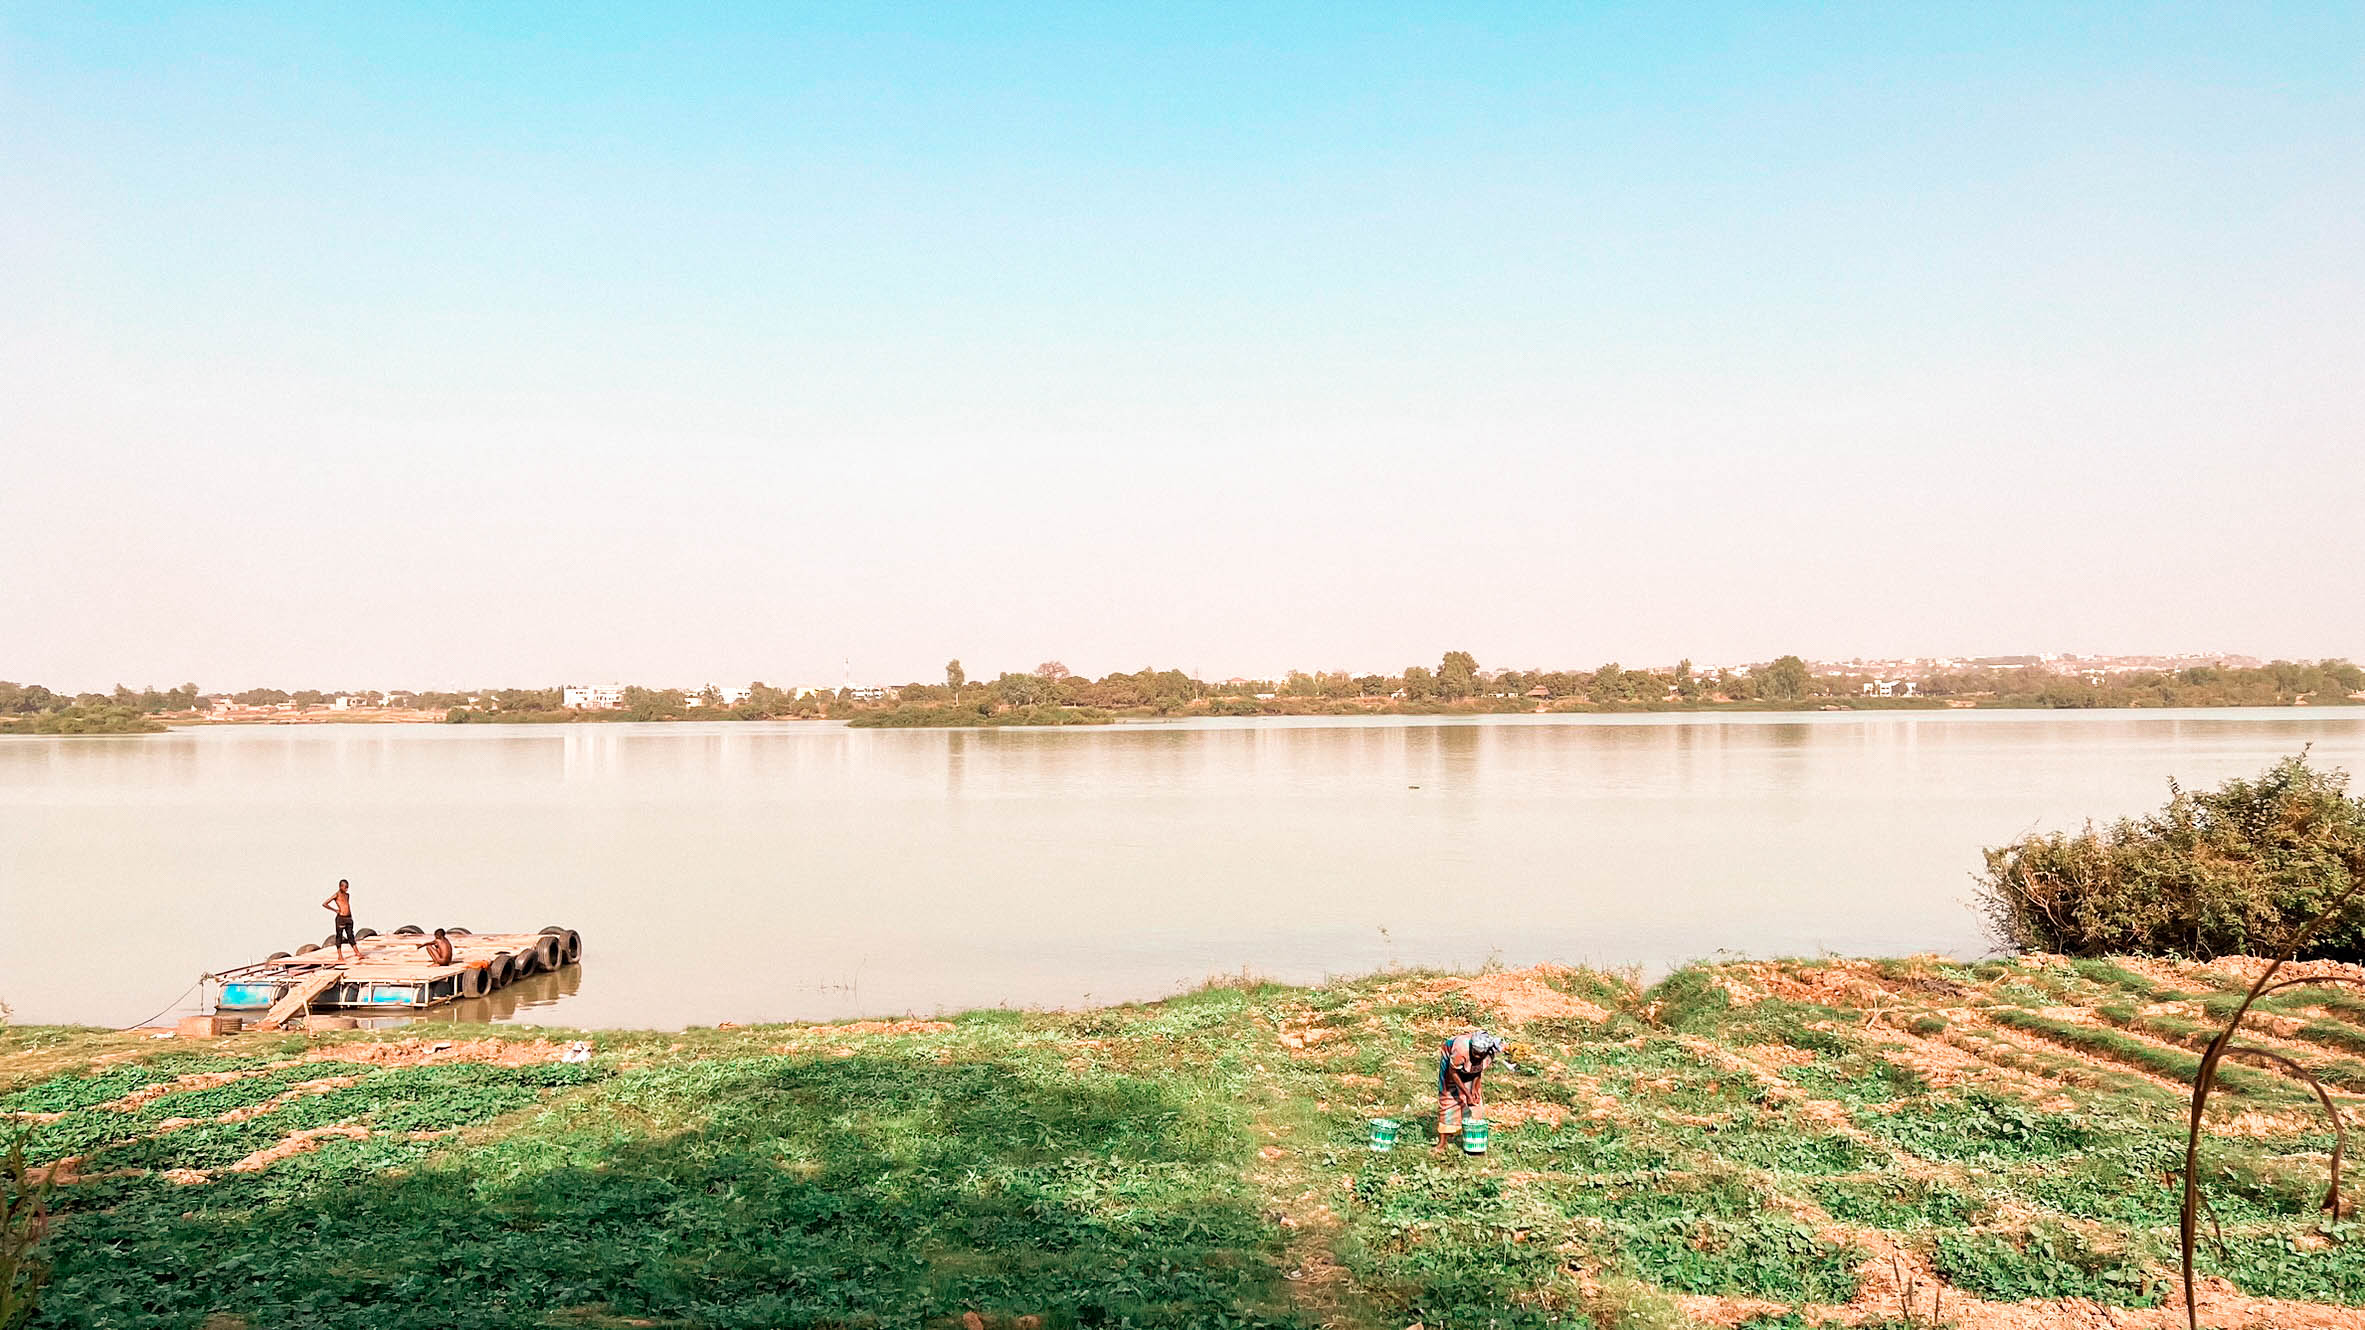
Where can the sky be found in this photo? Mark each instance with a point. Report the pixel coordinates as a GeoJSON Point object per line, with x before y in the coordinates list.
{"type": "Point", "coordinates": [459, 345]}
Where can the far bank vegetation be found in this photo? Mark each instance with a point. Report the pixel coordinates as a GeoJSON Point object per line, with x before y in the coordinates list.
{"type": "Point", "coordinates": [1052, 694]}
{"type": "Point", "coordinates": [1457, 684]}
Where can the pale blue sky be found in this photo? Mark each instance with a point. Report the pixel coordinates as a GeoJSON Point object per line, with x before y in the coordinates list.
{"type": "Point", "coordinates": [344, 346]}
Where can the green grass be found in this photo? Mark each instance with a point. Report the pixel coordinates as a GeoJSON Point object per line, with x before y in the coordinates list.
{"type": "Point", "coordinates": [1173, 1164]}
{"type": "Point", "coordinates": [1895, 1202]}
{"type": "Point", "coordinates": [2118, 976]}
{"type": "Point", "coordinates": [2047, 1262]}
{"type": "Point", "coordinates": [2173, 1063]}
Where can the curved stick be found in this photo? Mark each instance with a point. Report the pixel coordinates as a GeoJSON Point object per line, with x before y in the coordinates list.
{"type": "Point", "coordinates": [2205, 1081]}
{"type": "Point", "coordinates": [2340, 1134]}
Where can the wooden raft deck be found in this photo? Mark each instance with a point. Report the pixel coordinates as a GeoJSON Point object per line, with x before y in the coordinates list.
{"type": "Point", "coordinates": [393, 973]}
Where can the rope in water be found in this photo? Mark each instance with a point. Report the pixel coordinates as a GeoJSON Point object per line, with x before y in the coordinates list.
{"type": "Point", "coordinates": [167, 1006]}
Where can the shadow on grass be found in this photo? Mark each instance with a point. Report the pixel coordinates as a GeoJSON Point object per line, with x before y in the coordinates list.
{"type": "Point", "coordinates": [765, 1191]}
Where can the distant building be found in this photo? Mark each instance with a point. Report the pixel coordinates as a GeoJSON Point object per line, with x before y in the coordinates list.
{"type": "Point", "coordinates": [593, 697]}
{"type": "Point", "coordinates": [1890, 688]}
{"type": "Point", "coordinates": [348, 701]}
{"type": "Point", "coordinates": [871, 694]}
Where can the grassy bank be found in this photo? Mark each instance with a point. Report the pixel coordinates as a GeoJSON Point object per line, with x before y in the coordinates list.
{"type": "Point", "coordinates": [1762, 1145]}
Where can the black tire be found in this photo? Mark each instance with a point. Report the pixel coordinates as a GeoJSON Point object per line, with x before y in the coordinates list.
{"type": "Point", "coordinates": [547, 950]}
{"type": "Point", "coordinates": [525, 963]}
{"type": "Point", "coordinates": [307, 949]}
{"type": "Point", "coordinates": [276, 956]}
{"type": "Point", "coordinates": [554, 928]}
{"type": "Point", "coordinates": [500, 971]}
{"type": "Point", "coordinates": [570, 948]}
{"type": "Point", "coordinates": [475, 982]}
{"type": "Point", "coordinates": [412, 929]}
{"type": "Point", "coordinates": [456, 931]}
{"type": "Point", "coordinates": [361, 933]}
{"type": "Point", "coordinates": [329, 941]}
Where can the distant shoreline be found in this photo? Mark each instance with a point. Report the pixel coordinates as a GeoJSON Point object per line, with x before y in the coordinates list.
{"type": "Point", "coordinates": [898, 718]}
{"type": "Point", "coordinates": [943, 717]}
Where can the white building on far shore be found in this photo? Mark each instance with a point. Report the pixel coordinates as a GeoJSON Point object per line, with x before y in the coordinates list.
{"type": "Point", "coordinates": [592, 696]}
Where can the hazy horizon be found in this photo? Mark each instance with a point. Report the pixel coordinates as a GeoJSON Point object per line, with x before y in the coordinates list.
{"type": "Point", "coordinates": [460, 347]}
{"type": "Point", "coordinates": [987, 671]}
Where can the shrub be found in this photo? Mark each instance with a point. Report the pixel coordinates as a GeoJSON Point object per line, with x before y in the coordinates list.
{"type": "Point", "coordinates": [2237, 869]}
{"type": "Point", "coordinates": [24, 1220]}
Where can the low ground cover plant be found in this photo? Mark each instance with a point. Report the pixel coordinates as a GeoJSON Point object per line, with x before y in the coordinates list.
{"type": "Point", "coordinates": [1732, 1138]}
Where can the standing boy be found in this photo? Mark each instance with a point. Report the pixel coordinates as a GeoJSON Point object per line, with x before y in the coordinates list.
{"type": "Point", "coordinates": [342, 904]}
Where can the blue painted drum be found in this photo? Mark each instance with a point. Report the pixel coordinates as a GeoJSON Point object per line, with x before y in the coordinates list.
{"type": "Point", "coordinates": [250, 995]}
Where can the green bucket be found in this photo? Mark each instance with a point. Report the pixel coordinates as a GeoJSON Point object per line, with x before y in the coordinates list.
{"type": "Point", "coordinates": [1473, 1136]}
{"type": "Point", "coordinates": [1383, 1134]}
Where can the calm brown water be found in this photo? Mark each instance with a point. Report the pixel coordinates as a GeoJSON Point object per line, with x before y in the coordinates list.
{"type": "Point", "coordinates": [766, 872]}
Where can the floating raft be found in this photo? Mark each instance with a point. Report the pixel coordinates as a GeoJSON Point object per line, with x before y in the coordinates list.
{"type": "Point", "coordinates": [393, 972]}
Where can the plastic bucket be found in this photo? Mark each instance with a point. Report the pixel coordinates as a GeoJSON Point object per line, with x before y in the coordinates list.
{"type": "Point", "coordinates": [1473, 1136]}
{"type": "Point", "coordinates": [1383, 1134]}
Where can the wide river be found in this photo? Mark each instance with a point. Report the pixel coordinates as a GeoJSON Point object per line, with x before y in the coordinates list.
{"type": "Point", "coordinates": [746, 872]}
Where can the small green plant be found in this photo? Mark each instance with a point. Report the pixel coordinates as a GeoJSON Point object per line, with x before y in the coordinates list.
{"type": "Point", "coordinates": [2050, 1261]}
{"type": "Point", "coordinates": [24, 1221]}
{"type": "Point", "coordinates": [1894, 1202]}
{"type": "Point", "coordinates": [1763, 1256]}
{"type": "Point", "coordinates": [1978, 1126]}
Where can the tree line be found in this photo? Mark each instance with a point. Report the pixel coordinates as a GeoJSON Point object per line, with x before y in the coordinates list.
{"type": "Point", "coordinates": [33, 709]}
{"type": "Point", "coordinates": [1050, 692]}
{"type": "Point", "coordinates": [1457, 682]}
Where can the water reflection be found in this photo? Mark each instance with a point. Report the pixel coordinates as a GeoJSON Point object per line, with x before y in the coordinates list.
{"type": "Point", "coordinates": [754, 872]}
{"type": "Point", "coordinates": [525, 995]}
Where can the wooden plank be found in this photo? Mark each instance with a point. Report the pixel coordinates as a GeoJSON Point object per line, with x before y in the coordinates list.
{"type": "Point", "coordinates": [298, 998]}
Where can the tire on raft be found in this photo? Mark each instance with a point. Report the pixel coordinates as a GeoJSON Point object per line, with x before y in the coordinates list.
{"type": "Point", "coordinates": [570, 948]}
{"type": "Point", "coordinates": [526, 962]}
{"type": "Point", "coordinates": [361, 933]}
{"type": "Point", "coordinates": [412, 929]}
{"type": "Point", "coordinates": [475, 981]}
{"type": "Point", "coordinates": [547, 950]}
{"type": "Point", "coordinates": [456, 931]}
{"type": "Point", "coordinates": [307, 949]}
{"type": "Point", "coordinates": [499, 971]}
{"type": "Point", "coordinates": [553, 928]}
{"type": "Point", "coordinates": [276, 956]}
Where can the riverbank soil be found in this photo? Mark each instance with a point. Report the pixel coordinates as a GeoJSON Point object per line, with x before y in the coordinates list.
{"type": "Point", "coordinates": [1882, 1143]}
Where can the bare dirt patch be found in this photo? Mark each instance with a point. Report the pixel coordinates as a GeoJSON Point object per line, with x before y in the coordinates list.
{"type": "Point", "coordinates": [300, 1090]}
{"type": "Point", "coordinates": [2242, 971]}
{"type": "Point", "coordinates": [872, 1028]}
{"type": "Point", "coordinates": [203, 1080]}
{"type": "Point", "coordinates": [297, 1143]}
{"type": "Point", "coordinates": [1518, 1112]}
{"type": "Point", "coordinates": [427, 1052]}
{"type": "Point", "coordinates": [1520, 996]}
